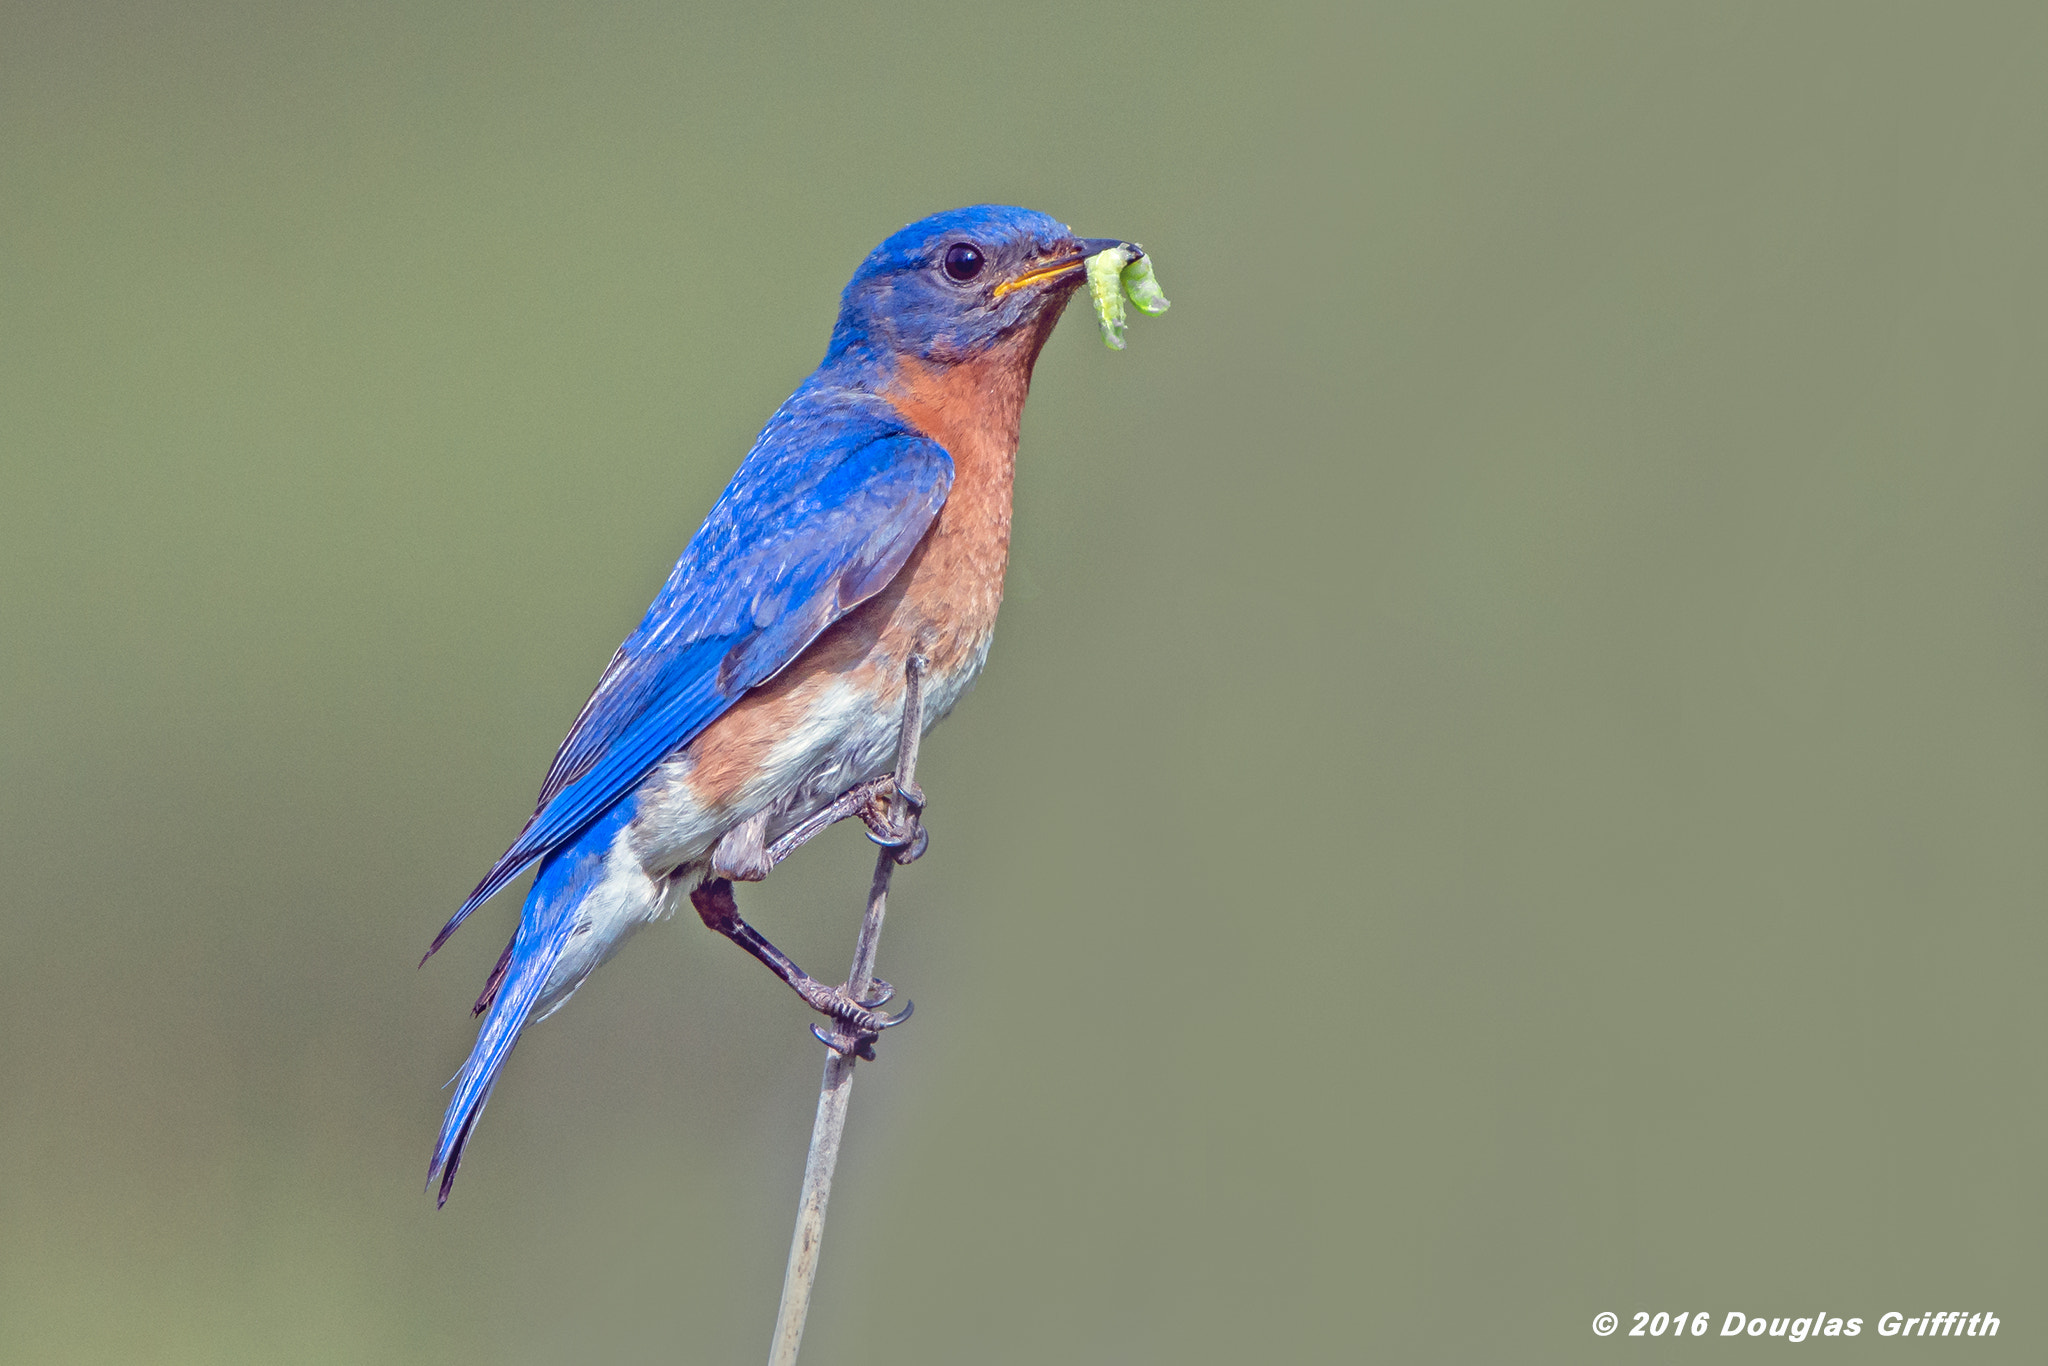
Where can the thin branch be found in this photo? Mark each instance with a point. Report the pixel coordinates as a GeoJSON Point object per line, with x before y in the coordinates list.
{"type": "Point", "coordinates": [836, 1090]}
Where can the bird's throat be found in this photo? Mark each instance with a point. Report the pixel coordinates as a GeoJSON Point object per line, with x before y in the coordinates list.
{"type": "Point", "coordinates": [973, 407]}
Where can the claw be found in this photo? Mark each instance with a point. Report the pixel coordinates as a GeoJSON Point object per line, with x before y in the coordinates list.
{"type": "Point", "coordinates": [854, 1015]}
{"type": "Point", "coordinates": [910, 834]}
{"type": "Point", "coordinates": [860, 1043]}
{"type": "Point", "coordinates": [874, 1021]}
{"type": "Point", "coordinates": [879, 993]}
{"type": "Point", "coordinates": [855, 1045]}
{"type": "Point", "coordinates": [885, 826]}
{"type": "Point", "coordinates": [882, 826]}
{"type": "Point", "coordinates": [920, 840]}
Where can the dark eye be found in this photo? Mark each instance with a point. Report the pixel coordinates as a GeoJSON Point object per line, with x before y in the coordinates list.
{"type": "Point", "coordinates": [963, 262]}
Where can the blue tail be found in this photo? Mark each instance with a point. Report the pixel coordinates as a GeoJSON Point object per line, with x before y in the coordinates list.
{"type": "Point", "coordinates": [566, 877]}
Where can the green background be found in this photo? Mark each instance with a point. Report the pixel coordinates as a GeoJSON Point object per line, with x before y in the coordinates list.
{"type": "Point", "coordinates": [1511, 784]}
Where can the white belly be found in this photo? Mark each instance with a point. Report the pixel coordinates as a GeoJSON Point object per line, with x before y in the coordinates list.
{"type": "Point", "coordinates": [846, 737]}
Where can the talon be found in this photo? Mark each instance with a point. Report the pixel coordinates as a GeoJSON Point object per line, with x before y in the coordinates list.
{"type": "Point", "coordinates": [879, 993]}
{"type": "Point", "coordinates": [873, 1021]}
{"type": "Point", "coordinates": [920, 840]}
{"type": "Point", "coordinates": [842, 1044]}
{"type": "Point", "coordinates": [861, 1042]}
{"type": "Point", "coordinates": [854, 1016]}
{"type": "Point", "coordinates": [908, 835]}
{"type": "Point", "coordinates": [883, 827]}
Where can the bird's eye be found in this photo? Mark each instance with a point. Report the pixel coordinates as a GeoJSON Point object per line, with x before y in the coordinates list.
{"type": "Point", "coordinates": [963, 262]}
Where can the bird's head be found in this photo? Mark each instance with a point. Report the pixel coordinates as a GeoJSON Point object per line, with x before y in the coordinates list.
{"type": "Point", "coordinates": [958, 284]}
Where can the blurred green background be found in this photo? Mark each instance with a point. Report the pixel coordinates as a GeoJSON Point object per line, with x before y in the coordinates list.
{"type": "Point", "coordinates": [1511, 784]}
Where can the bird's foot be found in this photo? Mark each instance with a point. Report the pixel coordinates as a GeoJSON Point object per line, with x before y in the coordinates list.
{"type": "Point", "coordinates": [872, 801]}
{"type": "Point", "coordinates": [906, 833]}
{"type": "Point", "coordinates": [856, 1024]}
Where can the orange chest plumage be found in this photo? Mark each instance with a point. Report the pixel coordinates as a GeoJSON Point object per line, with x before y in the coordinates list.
{"type": "Point", "coordinates": [942, 603]}
{"type": "Point", "coordinates": [953, 584]}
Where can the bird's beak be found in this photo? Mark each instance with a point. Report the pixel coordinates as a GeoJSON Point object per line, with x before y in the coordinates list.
{"type": "Point", "coordinates": [1091, 245]}
{"type": "Point", "coordinates": [1064, 267]}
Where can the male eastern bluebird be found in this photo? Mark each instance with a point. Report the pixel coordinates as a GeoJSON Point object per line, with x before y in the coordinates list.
{"type": "Point", "coordinates": [761, 696]}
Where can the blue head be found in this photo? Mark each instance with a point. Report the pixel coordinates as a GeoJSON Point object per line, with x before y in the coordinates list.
{"type": "Point", "coordinates": [957, 284]}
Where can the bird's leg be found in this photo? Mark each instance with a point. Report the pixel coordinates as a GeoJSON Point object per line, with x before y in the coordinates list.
{"type": "Point", "coordinates": [873, 802]}
{"type": "Point", "coordinates": [715, 905]}
{"type": "Point", "coordinates": [742, 854]}
{"type": "Point", "coordinates": [854, 801]}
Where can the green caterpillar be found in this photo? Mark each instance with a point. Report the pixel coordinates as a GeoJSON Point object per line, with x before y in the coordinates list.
{"type": "Point", "coordinates": [1115, 273]}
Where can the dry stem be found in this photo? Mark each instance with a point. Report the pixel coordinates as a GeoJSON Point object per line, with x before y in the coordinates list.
{"type": "Point", "coordinates": [837, 1087]}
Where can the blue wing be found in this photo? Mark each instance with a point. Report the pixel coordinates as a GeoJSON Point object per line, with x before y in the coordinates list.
{"type": "Point", "coordinates": [820, 517]}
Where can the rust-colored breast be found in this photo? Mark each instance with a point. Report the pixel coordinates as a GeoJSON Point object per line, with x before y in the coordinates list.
{"type": "Point", "coordinates": [942, 604]}
{"type": "Point", "coordinates": [953, 584]}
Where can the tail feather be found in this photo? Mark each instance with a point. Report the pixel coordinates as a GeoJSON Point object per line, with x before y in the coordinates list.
{"type": "Point", "coordinates": [515, 987]}
{"type": "Point", "coordinates": [454, 1161]}
{"type": "Point", "coordinates": [496, 979]}
{"type": "Point", "coordinates": [535, 949]}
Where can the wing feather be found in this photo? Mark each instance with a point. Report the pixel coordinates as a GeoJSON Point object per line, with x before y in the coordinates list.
{"type": "Point", "coordinates": [820, 517]}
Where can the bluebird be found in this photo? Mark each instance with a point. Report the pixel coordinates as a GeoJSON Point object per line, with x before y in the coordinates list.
{"type": "Point", "coordinates": [864, 535]}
